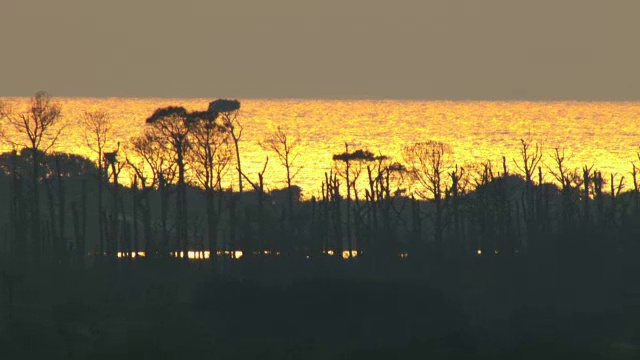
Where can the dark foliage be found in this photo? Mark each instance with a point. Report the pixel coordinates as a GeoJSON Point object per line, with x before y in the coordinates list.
{"type": "Point", "coordinates": [170, 111]}
{"type": "Point", "coordinates": [71, 165]}
{"type": "Point", "coordinates": [363, 155]}
{"type": "Point", "coordinates": [224, 105]}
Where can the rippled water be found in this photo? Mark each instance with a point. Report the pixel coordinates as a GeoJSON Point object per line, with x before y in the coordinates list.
{"type": "Point", "coordinates": [604, 134]}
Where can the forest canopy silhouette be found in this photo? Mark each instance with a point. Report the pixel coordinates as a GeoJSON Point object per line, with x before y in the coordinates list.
{"type": "Point", "coordinates": [420, 204]}
{"type": "Point", "coordinates": [457, 236]}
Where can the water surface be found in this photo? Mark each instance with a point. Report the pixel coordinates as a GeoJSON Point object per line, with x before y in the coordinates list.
{"type": "Point", "coordinates": [602, 133]}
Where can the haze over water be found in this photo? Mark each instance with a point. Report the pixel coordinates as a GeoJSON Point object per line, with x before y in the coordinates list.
{"type": "Point", "coordinates": [601, 133]}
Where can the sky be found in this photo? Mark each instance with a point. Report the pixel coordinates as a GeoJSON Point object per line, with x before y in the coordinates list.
{"type": "Point", "coordinates": [349, 49]}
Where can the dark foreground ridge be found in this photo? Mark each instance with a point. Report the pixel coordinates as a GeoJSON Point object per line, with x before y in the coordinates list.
{"type": "Point", "coordinates": [487, 307]}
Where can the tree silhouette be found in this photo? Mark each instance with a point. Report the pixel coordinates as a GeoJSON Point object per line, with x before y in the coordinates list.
{"type": "Point", "coordinates": [39, 127]}
{"type": "Point", "coordinates": [229, 110]}
{"type": "Point", "coordinates": [112, 234]}
{"type": "Point", "coordinates": [209, 156]}
{"type": "Point", "coordinates": [174, 124]}
{"type": "Point", "coordinates": [97, 127]}
{"type": "Point", "coordinates": [4, 113]}
{"type": "Point", "coordinates": [285, 149]}
{"type": "Point", "coordinates": [155, 161]}
{"type": "Point", "coordinates": [71, 165]}
{"type": "Point", "coordinates": [352, 168]}
{"type": "Point", "coordinates": [570, 181]}
{"type": "Point", "coordinates": [428, 163]}
{"type": "Point", "coordinates": [382, 174]}
{"type": "Point", "coordinates": [530, 158]}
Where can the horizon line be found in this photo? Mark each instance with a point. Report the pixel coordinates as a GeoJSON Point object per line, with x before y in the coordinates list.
{"type": "Point", "coordinates": [326, 98]}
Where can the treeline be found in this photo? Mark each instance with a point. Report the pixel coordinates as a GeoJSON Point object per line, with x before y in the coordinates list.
{"type": "Point", "coordinates": [61, 207]}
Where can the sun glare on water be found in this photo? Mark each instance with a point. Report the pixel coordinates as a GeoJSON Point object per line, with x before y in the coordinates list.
{"type": "Point", "coordinates": [603, 134]}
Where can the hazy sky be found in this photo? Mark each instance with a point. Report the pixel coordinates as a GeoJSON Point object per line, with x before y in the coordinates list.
{"type": "Point", "coordinates": [429, 49]}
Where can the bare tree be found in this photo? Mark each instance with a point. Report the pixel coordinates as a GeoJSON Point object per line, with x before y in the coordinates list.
{"type": "Point", "coordinates": [284, 147]}
{"type": "Point", "coordinates": [154, 160]}
{"type": "Point", "coordinates": [570, 181]}
{"type": "Point", "coordinates": [530, 158]}
{"type": "Point", "coordinates": [568, 178]}
{"type": "Point", "coordinates": [428, 164]}
{"type": "Point", "coordinates": [97, 130]}
{"type": "Point", "coordinates": [39, 128]}
{"type": "Point", "coordinates": [39, 125]}
{"type": "Point", "coordinates": [97, 126]}
{"type": "Point", "coordinates": [258, 187]}
{"type": "Point", "coordinates": [615, 194]}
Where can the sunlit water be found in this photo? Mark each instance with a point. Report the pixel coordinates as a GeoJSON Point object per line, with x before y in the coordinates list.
{"type": "Point", "coordinates": [604, 134]}
{"type": "Point", "coordinates": [233, 254]}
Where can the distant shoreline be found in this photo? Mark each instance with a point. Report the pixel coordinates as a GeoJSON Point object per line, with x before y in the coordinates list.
{"type": "Point", "coordinates": [331, 99]}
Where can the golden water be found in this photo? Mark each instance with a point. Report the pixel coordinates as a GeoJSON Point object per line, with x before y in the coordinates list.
{"type": "Point", "coordinates": [604, 134]}
{"type": "Point", "coordinates": [234, 254]}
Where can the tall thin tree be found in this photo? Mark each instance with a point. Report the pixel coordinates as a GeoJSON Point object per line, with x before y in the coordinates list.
{"type": "Point", "coordinates": [285, 148]}
{"type": "Point", "coordinates": [97, 131]}
{"type": "Point", "coordinates": [229, 111]}
{"type": "Point", "coordinates": [39, 127]}
{"type": "Point", "coordinates": [209, 150]}
{"type": "Point", "coordinates": [174, 124]}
